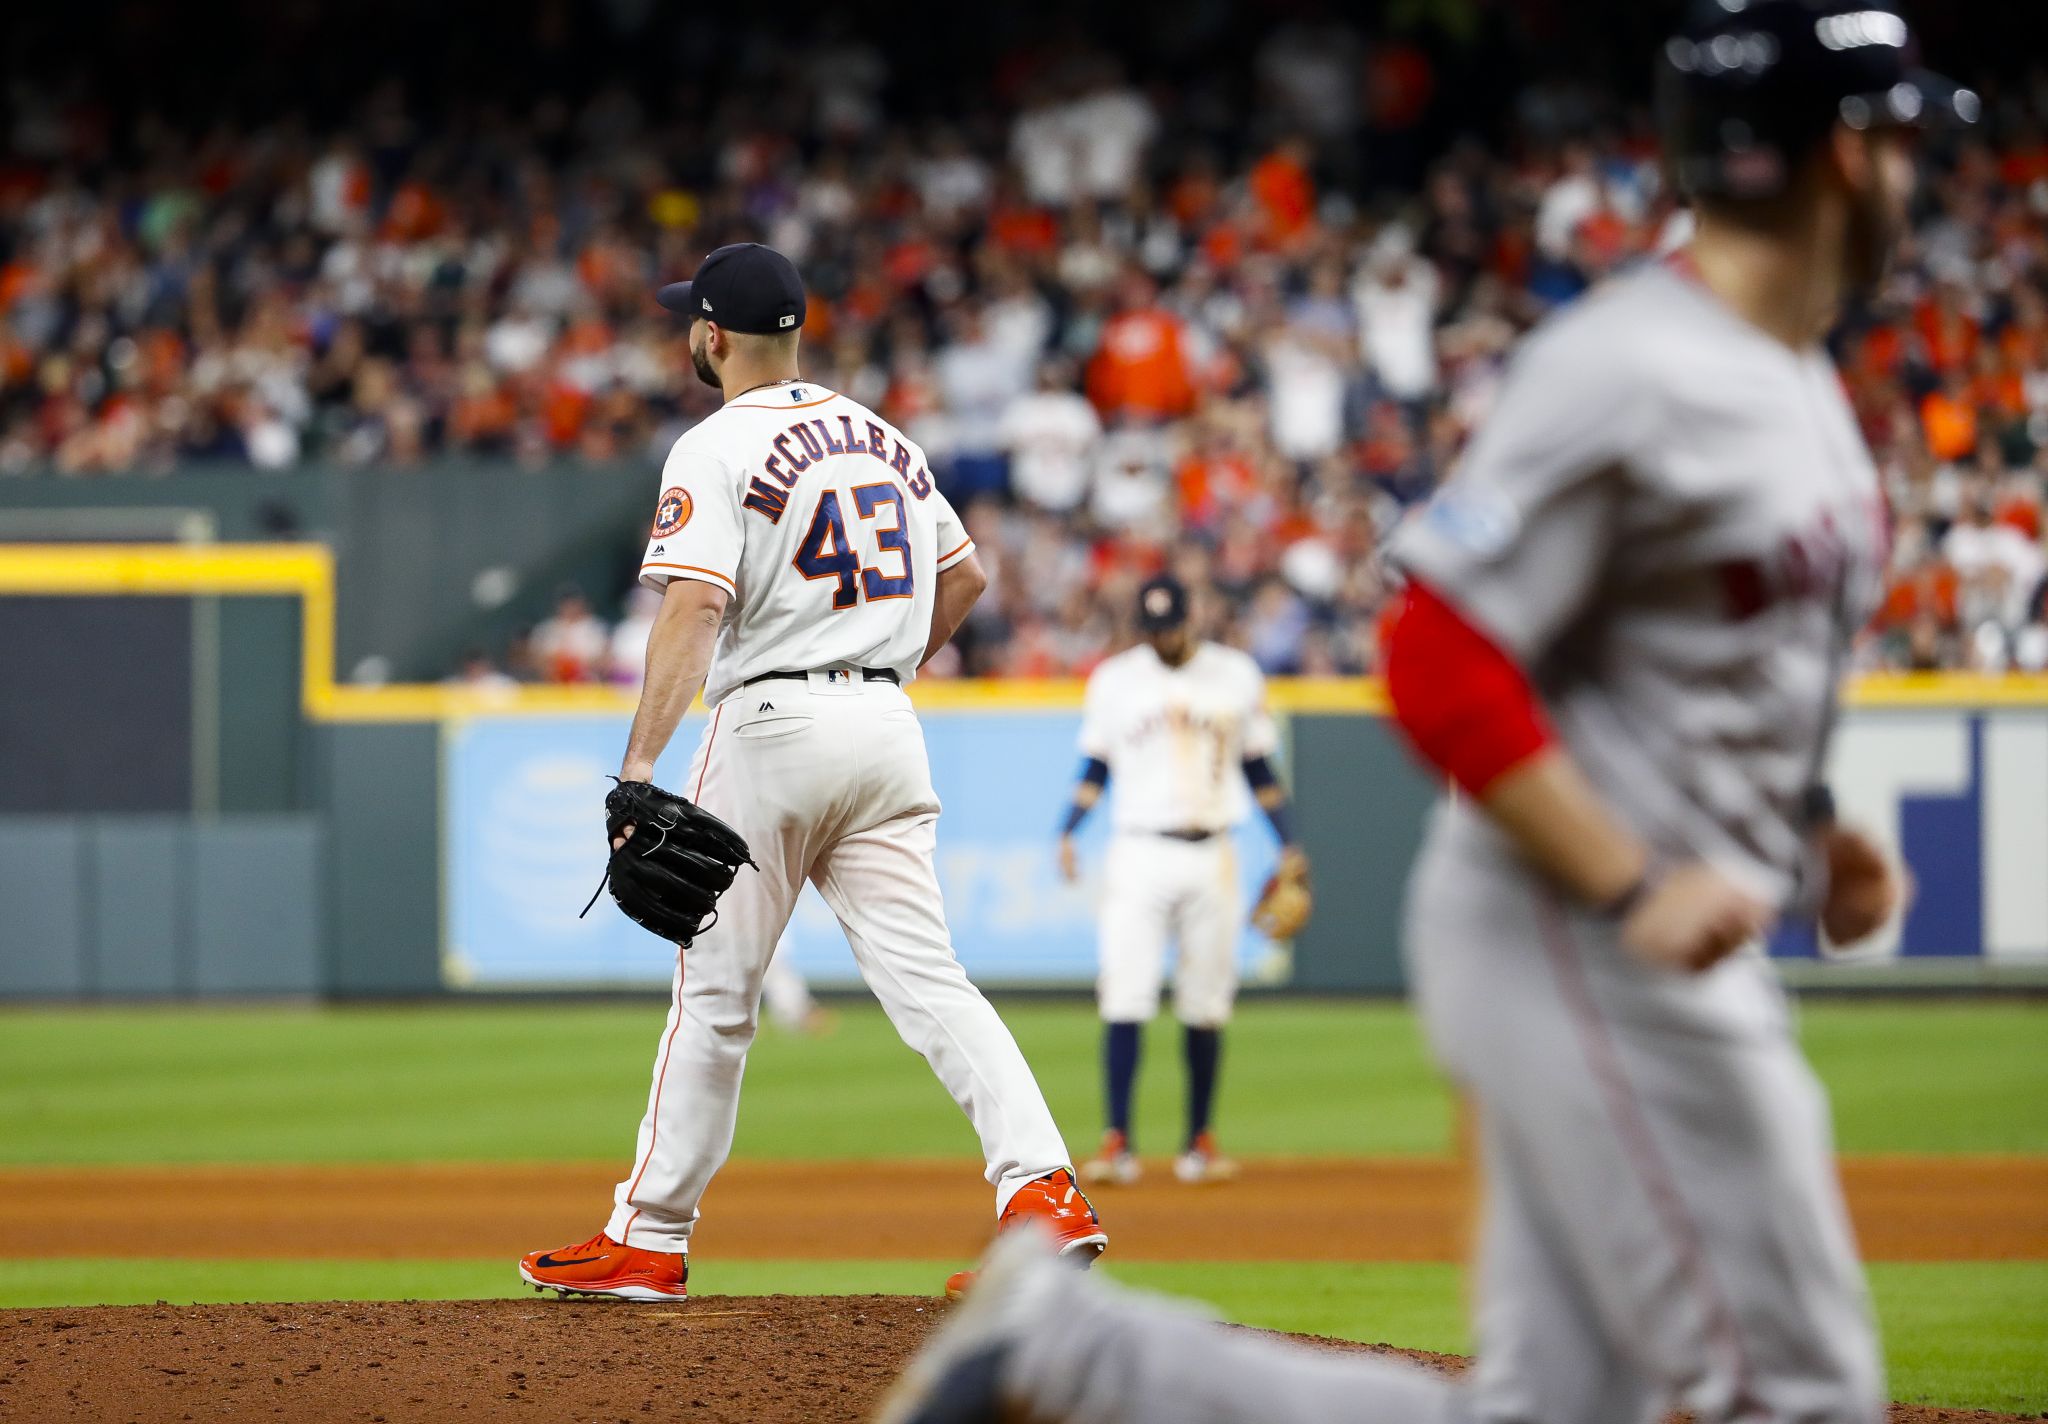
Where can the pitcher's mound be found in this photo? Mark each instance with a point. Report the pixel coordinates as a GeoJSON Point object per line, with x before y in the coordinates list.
{"type": "Point", "coordinates": [744, 1359]}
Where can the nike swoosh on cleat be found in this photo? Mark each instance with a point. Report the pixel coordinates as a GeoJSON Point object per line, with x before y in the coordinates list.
{"type": "Point", "coordinates": [551, 1262]}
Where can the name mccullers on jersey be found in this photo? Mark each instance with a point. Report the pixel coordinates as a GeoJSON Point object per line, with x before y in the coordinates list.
{"type": "Point", "coordinates": [817, 440]}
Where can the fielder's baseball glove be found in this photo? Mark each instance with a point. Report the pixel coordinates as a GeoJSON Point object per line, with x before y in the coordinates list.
{"type": "Point", "coordinates": [1285, 903]}
{"type": "Point", "coordinates": [668, 876]}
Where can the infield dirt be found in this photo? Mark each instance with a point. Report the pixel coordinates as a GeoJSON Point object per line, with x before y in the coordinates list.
{"type": "Point", "coordinates": [715, 1360]}
{"type": "Point", "coordinates": [755, 1358]}
{"type": "Point", "coordinates": [1392, 1209]}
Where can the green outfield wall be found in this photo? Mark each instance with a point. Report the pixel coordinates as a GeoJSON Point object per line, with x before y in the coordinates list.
{"type": "Point", "coordinates": [194, 803]}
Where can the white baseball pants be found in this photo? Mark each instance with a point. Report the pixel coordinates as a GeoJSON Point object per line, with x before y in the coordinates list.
{"type": "Point", "coordinates": [828, 782]}
{"type": "Point", "coordinates": [1158, 889]}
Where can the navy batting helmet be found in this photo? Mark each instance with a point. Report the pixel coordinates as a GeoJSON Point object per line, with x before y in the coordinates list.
{"type": "Point", "coordinates": [1748, 88]}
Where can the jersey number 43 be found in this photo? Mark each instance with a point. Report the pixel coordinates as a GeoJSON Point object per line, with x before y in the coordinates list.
{"type": "Point", "coordinates": [825, 552]}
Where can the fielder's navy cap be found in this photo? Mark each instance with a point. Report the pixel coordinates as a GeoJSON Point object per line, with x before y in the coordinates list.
{"type": "Point", "coordinates": [742, 287]}
{"type": "Point", "coordinates": [1162, 604]}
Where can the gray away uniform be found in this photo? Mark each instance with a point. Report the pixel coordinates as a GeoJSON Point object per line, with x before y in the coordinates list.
{"type": "Point", "coordinates": [1671, 521]}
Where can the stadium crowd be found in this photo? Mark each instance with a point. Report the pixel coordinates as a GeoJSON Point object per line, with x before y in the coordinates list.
{"type": "Point", "coordinates": [1124, 343]}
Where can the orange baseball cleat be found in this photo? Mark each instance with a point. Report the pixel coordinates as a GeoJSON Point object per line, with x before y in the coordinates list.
{"type": "Point", "coordinates": [1113, 1165]}
{"type": "Point", "coordinates": [1204, 1162]}
{"type": "Point", "coordinates": [1055, 1203]}
{"type": "Point", "coordinates": [602, 1266]}
{"type": "Point", "coordinates": [1057, 1207]}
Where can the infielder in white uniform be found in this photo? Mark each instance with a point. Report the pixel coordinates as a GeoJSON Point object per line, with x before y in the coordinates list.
{"type": "Point", "coordinates": [1173, 723]}
{"type": "Point", "coordinates": [1627, 617]}
{"type": "Point", "coordinates": [808, 568]}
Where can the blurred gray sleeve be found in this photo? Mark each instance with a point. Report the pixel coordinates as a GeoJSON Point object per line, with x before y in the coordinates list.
{"type": "Point", "coordinates": [1519, 538]}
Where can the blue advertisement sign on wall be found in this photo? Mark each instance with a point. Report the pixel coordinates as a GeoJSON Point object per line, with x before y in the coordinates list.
{"type": "Point", "coordinates": [1961, 795]}
{"type": "Point", "coordinates": [525, 848]}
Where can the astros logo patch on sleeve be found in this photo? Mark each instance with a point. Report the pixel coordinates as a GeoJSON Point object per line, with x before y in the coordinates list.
{"type": "Point", "coordinates": [672, 513]}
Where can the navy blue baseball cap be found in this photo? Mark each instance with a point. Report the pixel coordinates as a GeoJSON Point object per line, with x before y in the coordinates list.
{"type": "Point", "coordinates": [1162, 604]}
{"type": "Point", "coordinates": [742, 287]}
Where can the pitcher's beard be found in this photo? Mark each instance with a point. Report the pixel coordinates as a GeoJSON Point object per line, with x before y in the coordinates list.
{"type": "Point", "coordinates": [702, 362]}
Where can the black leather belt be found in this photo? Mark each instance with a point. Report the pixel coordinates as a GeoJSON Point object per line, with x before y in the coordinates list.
{"type": "Point", "coordinates": [867, 674]}
{"type": "Point", "coordinates": [1190, 833]}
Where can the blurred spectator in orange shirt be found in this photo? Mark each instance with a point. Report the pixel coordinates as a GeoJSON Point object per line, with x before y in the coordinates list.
{"type": "Point", "coordinates": [1996, 388]}
{"type": "Point", "coordinates": [2024, 342]}
{"type": "Point", "coordinates": [1878, 353]}
{"type": "Point", "coordinates": [1140, 369]}
{"type": "Point", "coordinates": [2025, 162]}
{"type": "Point", "coordinates": [1930, 589]}
{"type": "Point", "coordinates": [1286, 195]}
{"type": "Point", "coordinates": [2018, 503]}
{"type": "Point", "coordinates": [1948, 333]}
{"type": "Point", "coordinates": [574, 644]}
{"type": "Point", "coordinates": [1194, 194]}
{"type": "Point", "coordinates": [1214, 478]}
{"type": "Point", "coordinates": [414, 213]}
{"type": "Point", "coordinates": [483, 413]}
{"type": "Point", "coordinates": [1014, 225]}
{"type": "Point", "coordinates": [563, 409]}
{"type": "Point", "coordinates": [1602, 239]}
{"type": "Point", "coordinates": [1950, 418]}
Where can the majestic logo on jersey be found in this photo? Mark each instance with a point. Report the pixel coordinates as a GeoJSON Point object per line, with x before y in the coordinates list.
{"type": "Point", "coordinates": [806, 442]}
{"type": "Point", "coordinates": [672, 513]}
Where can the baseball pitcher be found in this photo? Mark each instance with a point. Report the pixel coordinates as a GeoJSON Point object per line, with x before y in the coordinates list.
{"type": "Point", "coordinates": [808, 568]}
{"type": "Point", "coordinates": [1171, 723]}
{"type": "Point", "coordinates": [1628, 614]}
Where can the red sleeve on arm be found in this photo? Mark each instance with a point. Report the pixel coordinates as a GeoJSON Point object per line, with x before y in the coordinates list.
{"type": "Point", "coordinates": [1465, 706]}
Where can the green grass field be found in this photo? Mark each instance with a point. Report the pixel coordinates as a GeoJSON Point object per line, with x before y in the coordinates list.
{"type": "Point", "coordinates": [475, 1083]}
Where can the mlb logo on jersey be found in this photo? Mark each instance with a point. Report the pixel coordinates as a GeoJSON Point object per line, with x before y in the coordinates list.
{"type": "Point", "coordinates": [834, 677]}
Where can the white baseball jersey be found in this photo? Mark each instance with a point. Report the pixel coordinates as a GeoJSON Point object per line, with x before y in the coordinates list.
{"type": "Point", "coordinates": [1672, 521]}
{"type": "Point", "coordinates": [820, 519]}
{"type": "Point", "coordinates": [1175, 738]}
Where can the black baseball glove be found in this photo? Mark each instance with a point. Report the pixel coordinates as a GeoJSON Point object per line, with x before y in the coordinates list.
{"type": "Point", "coordinates": [680, 858]}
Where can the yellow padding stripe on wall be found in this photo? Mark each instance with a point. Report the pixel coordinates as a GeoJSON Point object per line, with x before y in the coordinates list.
{"type": "Point", "coordinates": [307, 570]}
{"type": "Point", "coordinates": [304, 570]}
